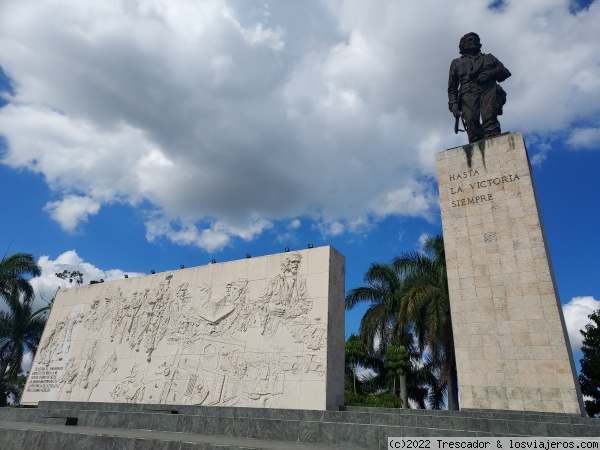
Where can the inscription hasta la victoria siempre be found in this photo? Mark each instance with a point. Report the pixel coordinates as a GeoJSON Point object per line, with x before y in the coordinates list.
{"type": "Point", "coordinates": [473, 200]}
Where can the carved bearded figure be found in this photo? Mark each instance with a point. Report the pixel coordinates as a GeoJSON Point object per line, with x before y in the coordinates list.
{"type": "Point", "coordinates": [285, 298]}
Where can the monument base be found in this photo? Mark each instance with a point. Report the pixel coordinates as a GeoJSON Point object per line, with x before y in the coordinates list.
{"type": "Point", "coordinates": [512, 348]}
{"type": "Point", "coordinates": [114, 425]}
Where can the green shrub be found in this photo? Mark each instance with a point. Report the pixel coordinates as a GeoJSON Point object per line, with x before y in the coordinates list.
{"type": "Point", "coordinates": [354, 399]}
{"type": "Point", "coordinates": [383, 401]}
{"type": "Point", "coordinates": [373, 401]}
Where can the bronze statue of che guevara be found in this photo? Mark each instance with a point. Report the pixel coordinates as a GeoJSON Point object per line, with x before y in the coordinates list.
{"type": "Point", "coordinates": [473, 89]}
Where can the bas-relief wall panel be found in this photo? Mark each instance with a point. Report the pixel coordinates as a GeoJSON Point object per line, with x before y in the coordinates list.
{"type": "Point", "coordinates": [252, 332]}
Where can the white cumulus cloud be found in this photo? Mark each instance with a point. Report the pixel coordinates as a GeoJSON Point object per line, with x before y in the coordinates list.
{"type": "Point", "coordinates": [585, 138]}
{"type": "Point", "coordinates": [47, 283]}
{"type": "Point", "coordinates": [222, 117]}
{"type": "Point", "coordinates": [72, 210]}
{"type": "Point", "coordinates": [576, 314]}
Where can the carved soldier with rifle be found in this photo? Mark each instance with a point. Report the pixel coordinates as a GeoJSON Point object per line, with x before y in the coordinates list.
{"type": "Point", "coordinates": [473, 90]}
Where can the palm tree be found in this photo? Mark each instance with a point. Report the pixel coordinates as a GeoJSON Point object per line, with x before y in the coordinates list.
{"type": "Point", "coordinates": [381, 325]}
{"type": "Point", "coordinates": [16, 270]}
{"type": "Point", "coordinates": [21, 329]}
{"type": "Point", "coordinates": [426, 304]}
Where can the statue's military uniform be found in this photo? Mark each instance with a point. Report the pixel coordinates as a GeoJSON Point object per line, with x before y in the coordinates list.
{"type": "Point", "coordinates": [475, 98]}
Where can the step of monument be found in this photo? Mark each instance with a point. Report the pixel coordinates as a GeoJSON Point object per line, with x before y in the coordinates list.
{"type": "Point", "coordinates": [348, 414]}
{"type": "Point", "coordinates": [32, 436]}
{"type": "Point", "coordinates": [357, 427]}
{"type": "Point", "coordinates": [496, 422]}
{"type": "Point", "coordinates": [311, 437]}
{"type": "Point", "coordinates": [361, 428]}
{"type": "Point", "coordinates": [465, 419]}
{"type": "Point", "coordinates": [310, 432]}
{"type": "Point", "coordinates": [224, 411]}
{"type": "Point", "coordinates": [346, 427]}
{"type": "Point", "coordinates": [38, 415]}
{"type": "Point", "coordinates": [350, 432]}
{"type": "Point", "coordinates": [529, 416]}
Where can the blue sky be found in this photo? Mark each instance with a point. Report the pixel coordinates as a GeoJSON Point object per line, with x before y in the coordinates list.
{"type": "Point", "coordinates": [141, 135]}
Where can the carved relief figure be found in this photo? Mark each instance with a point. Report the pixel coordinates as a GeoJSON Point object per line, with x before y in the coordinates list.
{"type": "Point", "coordinates": [90, 364]}
{"type": "Point", "coordinates": [200, 393]}
{"type": "Point", "coordinates": [183, 297]}
{"type": "Point", "coordinates": [93, 319]}
{"type": "Point", "coordinates": [109, 366]}
{"type": "Point", "coordinates": [52, 344]}
{"type": "Point", "coordinates": [74, 318]}
{"type": "Point", "coordinates": [57, 345]}
{"type": "Point", "coordinates": [314, 363]}
{"type": "Point", "coordinates": [158, 319]}
{"type": "Point", "coordinates": [285, 298]}
{"type": "Point", "coordinates": [473, 89]}
{"type": "Point", "coordinates": [68, 379]}
{"type": "Point", "coordinates": [152, 321]}
{"type": "Point", "coordinates": [232, 363]}
{"type": "Point", "coordinates": [185, 328]}
{"type": "Point", "coordinates": [134, 310]}
{"type": "Point", "coordinates": [131, 389]}
{"type": "Point", "coordinates": [312, 334]}
{"type": "Point", "coordinates": [214, 311]}
{"type": "Point", "coordinates": [121, 320]}
{"type": "Point", "coordinates": [242, 310]}
{"type": "Point", "coordinates": [181, 316]}
{"type": "Point", "coordinates": [269, 380]}
{"type": "Point", "coordinates": [173, 381]}
{"type": "Point", "coordinates": [102, 310]}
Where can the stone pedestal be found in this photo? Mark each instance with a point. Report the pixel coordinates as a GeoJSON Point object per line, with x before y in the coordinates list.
{"type": "Point", "coordinates": [512, 347]}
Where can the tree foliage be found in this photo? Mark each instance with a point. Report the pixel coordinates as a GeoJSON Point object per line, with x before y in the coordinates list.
{"type": "Point", "coordinates": [384, 400]}
{"type": "Point", "coordinates": [590, 365]}
{"type": "Point", "coordinates": [426, 304]}
{"type": "Point", "coordinates": [409, 308]}
{"type": "Point", "coordinates": [381, 325]}
{"type": "Point", "coordinates": [16, 271]}
{"type": "Point", "coordinates": [355, 353]}
{"type": "Point", "coordinates": [396, 361]}
{"type": "Point", "coordinates": [75, 278]}
{"type": "Point", "coordinates": [14, 389]}
{"type": "Point", "coordinates": [20, 326]}
{"type": "Point", "coordinates": [383, 291]}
